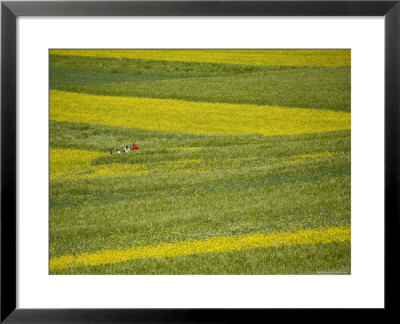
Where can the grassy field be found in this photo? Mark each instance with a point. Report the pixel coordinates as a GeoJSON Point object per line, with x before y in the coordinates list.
{"type": "Point", "coordinates": [243, 164]}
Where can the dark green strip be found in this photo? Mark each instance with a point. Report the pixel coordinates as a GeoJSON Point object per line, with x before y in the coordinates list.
{"type": "Point", "coordinates": [305, 87]}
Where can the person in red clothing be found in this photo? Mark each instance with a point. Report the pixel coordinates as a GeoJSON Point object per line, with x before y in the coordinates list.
{"type": "Point", "coordinates": [134, 147]}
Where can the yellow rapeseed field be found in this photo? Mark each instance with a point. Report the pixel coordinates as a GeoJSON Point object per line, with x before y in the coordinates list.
{"type": "Point", "coordinates": [66, 162]}
{"type": "Point", "coordinates": [75, 164]}
{"type": "Point", "coordinates": [213, 244]}
{"type": "Point", "coordinates": [296, 57]}
{"type": "Point", "coordinates": [193, 117]}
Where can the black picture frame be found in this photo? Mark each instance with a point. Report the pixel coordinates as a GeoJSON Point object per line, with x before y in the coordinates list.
{"type": "Point", "coordinates": [11, 10]}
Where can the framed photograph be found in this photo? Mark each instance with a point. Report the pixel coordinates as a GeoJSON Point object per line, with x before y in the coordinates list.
{"type": "Point", "coordinates": [190, 161]}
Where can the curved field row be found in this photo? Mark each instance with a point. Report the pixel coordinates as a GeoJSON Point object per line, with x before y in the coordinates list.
{"type": "Point", "coordinates": [77, 164]}
{"type": "Point", "coordinates": [193, 117]}
{"type": "Point", "coordinates": [330, 258]}
{"type": "Point", "coordinates": [248, 57]}
{"type": "Point", "coordinates": [214, 244]}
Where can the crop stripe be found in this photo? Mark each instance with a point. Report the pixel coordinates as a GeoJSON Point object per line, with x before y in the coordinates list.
{"type": "Point", "coordinates": [214, 244]}
{"type": "Point", "coordinates": [193, 117]}
{"type": "Point", "coordinates": [255, 57]}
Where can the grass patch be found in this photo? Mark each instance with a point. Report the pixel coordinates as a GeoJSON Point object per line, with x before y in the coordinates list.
{"type": "Point", "coordinates": [274, 87]}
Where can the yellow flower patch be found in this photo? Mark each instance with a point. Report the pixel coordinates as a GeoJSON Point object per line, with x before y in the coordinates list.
{"type": "Point", "coordinates": [307, 157]}
{"type": "Point", "coordinates": [193, 117]}
{"type": "Point", "coordinates": [65, 163]}
{"type": "Point", "coordinates": [298, 57]}
{"type": "Point", "coordinates": [76, 164]}
{"type": "Point", "coordinates": [184, 148]}
{"type": "Point", "coordinates": [214, 244]}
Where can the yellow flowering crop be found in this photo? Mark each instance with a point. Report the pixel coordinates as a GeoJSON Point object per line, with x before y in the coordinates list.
{"type": "Point", "coordinates": [76, 164]}
{"type": "Point", "coordinates": [184, 148]}
{"type": "Point", "coordinates": [73, 164]}
{"type": "Point", "coordinates": [298, 57]}
{"type": "Point", "coordinates": [213, 244]}
{"type": "Point", "coordinates": [66, 162]}
{"type": "Point", "coordinates": [192, 117]}
{"type": "Point", "coordinates": [307, 157]}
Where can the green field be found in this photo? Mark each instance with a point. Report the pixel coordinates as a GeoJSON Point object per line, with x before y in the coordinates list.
{"type": "Point", "coordinates": [240, 168]}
